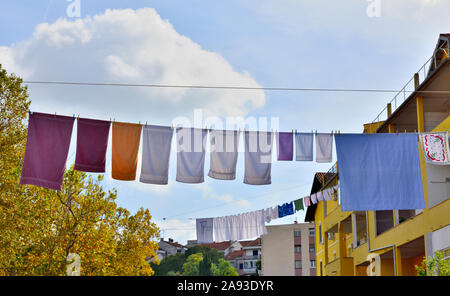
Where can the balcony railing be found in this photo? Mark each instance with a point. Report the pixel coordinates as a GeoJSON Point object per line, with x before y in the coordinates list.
{"type": "Point", "coordinates": [410, 86]}
{"type": "Point", "coordinates": [252, 257]}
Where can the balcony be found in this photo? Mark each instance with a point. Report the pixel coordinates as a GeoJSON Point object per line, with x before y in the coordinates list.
{"type": "Point", "coordinates": [252, 257]}
{"type": "Point", "coordinates": [340, 267]}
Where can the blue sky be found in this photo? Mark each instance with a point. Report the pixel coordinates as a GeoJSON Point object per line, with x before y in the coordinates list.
{"type": "Point", "coordinates": [299, 44]}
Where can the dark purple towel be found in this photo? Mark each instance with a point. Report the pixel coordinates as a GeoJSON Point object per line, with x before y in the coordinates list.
{"type": "Point", "coordinates": [285, 146]}
{"type": "Point", "coordinates": [48, 142]}
{"type": "Point", "coordinates": [92, 141]}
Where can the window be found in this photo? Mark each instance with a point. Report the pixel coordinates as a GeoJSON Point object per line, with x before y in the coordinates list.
{"type": "Point", "coordinates": [312, 232]}
{"type": "Point", "coordinates": [241, 266]}
{"type": "Point", "coordinates": [255, 252]}
{"type": "Point", "coordinates": [321, 268]}
{"type": "Point", "coordinates": [313, 263]}
{"type": "Point", "coordinates": [312, 248]}
{"type": "Point", "coordinates": [320, 233]}
{"type": "Point", "coordinates": [298, 264]}
{"type": "Point", "coordinates": [298, 249]}
{"type": "Point", "coordinates": [384, 220]}
{"type": "Point", "coordinates": [297, 233]}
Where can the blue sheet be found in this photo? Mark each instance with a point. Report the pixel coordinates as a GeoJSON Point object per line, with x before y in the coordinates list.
{"type": "Point", "coordinates": [379, 172]}
{"type": "Point", "coordinates": [285, 210]}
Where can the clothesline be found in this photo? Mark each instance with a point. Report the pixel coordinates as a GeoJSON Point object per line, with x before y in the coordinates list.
{"type": "Point", "coordinates": [233, 87]}
{"type": "Point", "coordinates": [293, 131]}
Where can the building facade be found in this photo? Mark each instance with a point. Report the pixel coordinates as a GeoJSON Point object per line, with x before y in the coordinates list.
{"type": "Point", "coordinates": [398, 239]}
{"type": "Point", "coordinates": [242, 255]}
{"type": "Point", "coordinates": [289, 250]}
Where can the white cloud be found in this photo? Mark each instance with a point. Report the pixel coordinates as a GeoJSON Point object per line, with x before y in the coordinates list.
{"type": "Point", "coordinates": [126, 46]}
{"type": "Point", "coordinates": [209, 192]}
{"type": "Point", "coordinates": [179, 230]}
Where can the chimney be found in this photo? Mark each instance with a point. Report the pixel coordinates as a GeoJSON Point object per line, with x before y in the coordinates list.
{"type": "Point", "coordinates": [170, 240]}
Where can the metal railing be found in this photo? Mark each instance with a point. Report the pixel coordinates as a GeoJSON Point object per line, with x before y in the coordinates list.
{"type": "Point", "coordinates": [410, 86]}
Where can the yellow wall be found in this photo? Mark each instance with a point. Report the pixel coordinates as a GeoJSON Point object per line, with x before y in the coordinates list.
{"type": "Point", "coordinates": [427, 221]}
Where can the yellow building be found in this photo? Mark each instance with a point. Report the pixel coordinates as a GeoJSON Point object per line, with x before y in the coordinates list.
{"type": "Point", "coordinates": [401, 238]}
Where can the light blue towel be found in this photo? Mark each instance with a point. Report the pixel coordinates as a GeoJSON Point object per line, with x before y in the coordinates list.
{"type": "Point", "coordinates": [379, 172]}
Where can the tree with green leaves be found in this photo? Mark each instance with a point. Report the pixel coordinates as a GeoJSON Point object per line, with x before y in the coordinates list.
{"type": "Point", "coordinates": [223, 268]}
{"type": "Point", "coordinates": [41, 227]}
{"type": "Point", "coordinates": [191, 266]}
{"type": "Point", "coordinates": [436, 265]}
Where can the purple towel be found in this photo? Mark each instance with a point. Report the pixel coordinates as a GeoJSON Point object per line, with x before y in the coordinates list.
{"type": "Point", "coordinates": [92, 141]}
{"type": "Point", "coordinates": [46, 152]}
{"type": "Point", "coordinates": [285, 144]}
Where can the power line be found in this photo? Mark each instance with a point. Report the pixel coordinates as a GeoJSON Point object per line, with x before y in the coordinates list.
{"type": "Point", "coordinates": [235, 201]}
{"type": "Point", "coordinates": [232, 87]}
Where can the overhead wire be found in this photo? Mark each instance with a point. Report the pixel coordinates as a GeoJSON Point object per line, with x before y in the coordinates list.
{"type": "Point", "coordinates": [230, 87]}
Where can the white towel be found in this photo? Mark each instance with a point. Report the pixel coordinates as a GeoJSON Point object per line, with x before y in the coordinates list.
{"type": "Point", "coordinates": [191, 155]}
{"type": "Point", "coordinates": [324, 147]}
{"type": "Point", "coordinates": [328, 194]}
{"type": "Point", "coordinates": [313, 198]}
{"type": "Point", "coordinates": [224, 154]}
{"type": "Point", "coordinates": [319, 196]}
{"type": "Point", "coordinates": [204, 228]}
{"type": "Point", "coordinates": [221, 229]}
{"type": "Point", "coordinates": [258, 157]}
{"type": "Point", "coordinates": [156, 143]}
{"type": "Point", "coordinates": [270, 214]}
{"type": "Point", "coordinates": [304, 146]}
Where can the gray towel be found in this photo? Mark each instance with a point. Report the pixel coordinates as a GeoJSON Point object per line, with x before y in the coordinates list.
{"type": "Point", "coordinates": [324, 147]}
{"type": "Point", "coordinates": [191, 155]}
{"type": "Point", "coordinates": [204, 230]}
{"type": "Point", "coordinates": [224, 154]}
{"type": "Point", "coordinates": [258, 157]}
{"type": "Point", "coordinates": [156, 143]}
{"type": "Point", "coordinates": [304, 146]}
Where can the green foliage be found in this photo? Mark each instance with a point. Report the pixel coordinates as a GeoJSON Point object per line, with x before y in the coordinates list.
{"type": "Point", "coordinates": [40, 227]}
{"type": "Point", "coordinates": [258, 266]}
{"type": "Point", "coordinates": [204, 267]}
{"type": "Point", "coordinates": [213, 254]}
{"type": "Point", "coordinates": [191, 266]}
{"type": "Point", "coordinates": [437, 266]}
{"type": "Point", "coordinates": [173, 263]}
{"type": "Point", "coordinates": [198, 260]}
{"type": "Point", "coordinates": [223, 268]}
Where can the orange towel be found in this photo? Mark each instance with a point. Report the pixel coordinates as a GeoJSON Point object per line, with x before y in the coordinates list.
{"type": "Point", "coordinates": [125, 145]}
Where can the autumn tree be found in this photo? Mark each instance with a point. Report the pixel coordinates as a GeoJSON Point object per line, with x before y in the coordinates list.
{"type": "Point", "coordinates": [41, 227]}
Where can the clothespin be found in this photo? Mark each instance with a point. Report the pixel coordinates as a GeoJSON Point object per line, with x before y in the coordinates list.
{"type": "Point", "coordinates": [55, 114]}
{"type": "Point", "coordinates": [145, 123]}
{"type": "Point", "coordinates": [295, 131]}
{"type": "Point", "coordinates": [316, 132]}
{"type": "Point", "coordinates": [74, 116]}
{"type": "Point", "coordinates": [78, 116]}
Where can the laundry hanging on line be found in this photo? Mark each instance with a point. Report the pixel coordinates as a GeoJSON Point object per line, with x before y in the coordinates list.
{"type": "Point", "coordinates": [46, 151]}
{"type": "Point", "coordinates": [379, 172]}
{"type": "Point", "coordinates": [156, 146]}
{"type": "Point", "coordinates": [435, 147]}
{"type": "Point", "coordinates": [246, 225]}
{"type": "Point", "coordinates": [92, 142]}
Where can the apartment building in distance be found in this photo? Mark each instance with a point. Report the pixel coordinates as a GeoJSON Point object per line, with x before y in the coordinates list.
{"type": "Point", "coordinates": [288, 250]}
{"type": "Point", "coordinates": [242, 255]}
{"type": "Point", "coordinates": [401, 238]}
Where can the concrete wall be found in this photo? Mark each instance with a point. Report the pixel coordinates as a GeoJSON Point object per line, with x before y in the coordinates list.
{"type": "Point", "coordinates": [278, 250]}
